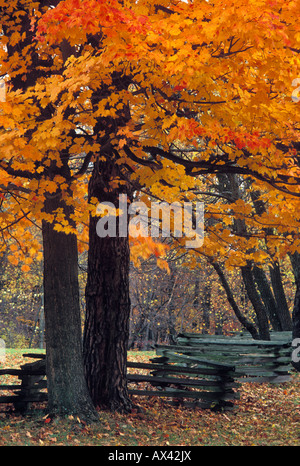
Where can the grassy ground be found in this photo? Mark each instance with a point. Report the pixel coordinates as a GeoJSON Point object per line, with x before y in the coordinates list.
{"type": "Point", "coordinates": [264, 415]}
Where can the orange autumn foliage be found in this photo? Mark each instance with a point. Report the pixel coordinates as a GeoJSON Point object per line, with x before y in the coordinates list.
{"type": "Point", "coordinates": [181, 89]}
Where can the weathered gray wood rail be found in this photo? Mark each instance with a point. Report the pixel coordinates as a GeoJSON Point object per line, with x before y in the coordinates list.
{"type": "Point", "coordinates": [32, 377]}
{"type": "Point", "coordinates": [192, 383]}
{"type": "Point", "coordinates": [254, 360]}
{"type": "Point", "coordinates": [188, 382]}
{"type": "Point", "coordinates": [199, 371]}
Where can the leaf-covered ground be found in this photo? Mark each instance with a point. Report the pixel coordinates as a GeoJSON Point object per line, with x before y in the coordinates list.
{"type": "Point", "coordinates": [264, 415]}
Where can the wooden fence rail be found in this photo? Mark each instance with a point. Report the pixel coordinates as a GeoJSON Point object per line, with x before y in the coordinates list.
{"type": "Point", "coordinates": [254, 360]}
{"type": "Point", "coordinates": [199, 371]}
{"type": "Point", "coordinates": [32, 377]}
{"type": "Point", "coordinates": [202, 383]}
{"type": "Point", "coordinates": [187, 382]}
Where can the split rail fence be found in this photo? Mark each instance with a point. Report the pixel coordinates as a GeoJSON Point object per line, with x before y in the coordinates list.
{"type": "Point", "coordinates": [32, 376]}
{"type": "Point", "coordinates": [199, 371]}
{"type": "Point", "coordinates": [188, 381]}
{"type": "Point", "coordinates": [192, 382]}
{"type": "Point", "coordinates": [254, 360]}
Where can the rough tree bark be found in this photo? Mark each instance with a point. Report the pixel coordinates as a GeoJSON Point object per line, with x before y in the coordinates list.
{"type": "Point", "coordinates": [282, 306]}
{"type": "Point", "coordinates": [261, 316]}
{"type": "Point", "coordinates": [267, 297]}
{"type": "Point", "coordinates": [276, 305]}
{"type": "Point", "coordinates": [106, 332]}
{"type": "Point", "coordinates": [67, 388]}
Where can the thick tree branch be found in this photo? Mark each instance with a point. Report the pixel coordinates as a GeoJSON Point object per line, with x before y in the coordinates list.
{"type": "Point", "coordinates": [202, 167]}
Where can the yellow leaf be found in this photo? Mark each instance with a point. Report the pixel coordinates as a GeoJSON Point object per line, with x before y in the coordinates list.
{"type": "Point", "coordinates": [25, 268]}
{"type": "Point", "coordinates": [162, 264]}
{"type": "Point", "coordinates": [13, 260]}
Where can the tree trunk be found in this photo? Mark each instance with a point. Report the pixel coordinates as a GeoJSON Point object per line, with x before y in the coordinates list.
{"type": "Point", "coordinates": [295, 261]}
{"type": "Point", "coordinates": [262, 319]}
{"type": "Point", "coordinates": [243, 320]}
{"type": "Point", "coordinates": [230, 183]}
{"type": "Point", "coordinates": [296, 313]}
{"type": "Point", "coordinates": [267, 297]}
{"type": "Point", "coordinates": [67, 389]}
{"type": "Point", "coordinates": [282, 306]}
{"type": "Point", "coordinates": [171, 307]}
{"type": "Point", "coordinates": [203, 306]}
{"type": "Point", "coordinates": [106, 330]}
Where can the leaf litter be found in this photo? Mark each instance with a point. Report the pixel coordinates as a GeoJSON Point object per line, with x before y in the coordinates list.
{"type": "Point", "coordinates": [265, 414]}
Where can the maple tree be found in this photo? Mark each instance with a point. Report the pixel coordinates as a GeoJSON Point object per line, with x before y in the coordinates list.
{"type": "Point", "coordinates": [168, 95]}
{"type": "Point", "coordinates": [38, 167]}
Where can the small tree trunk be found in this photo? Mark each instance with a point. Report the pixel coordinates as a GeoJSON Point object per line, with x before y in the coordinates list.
{"type": "Point", "coordinates": [267, 297]}
{"type": "Point", "coordinates": [282, 306]}
{"type": "Point", "coordinates": [243, 320]}
{"type": "Point", "coordinates": [262, 319]}
{"type": "Point", "coordinates": [67, 389]}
